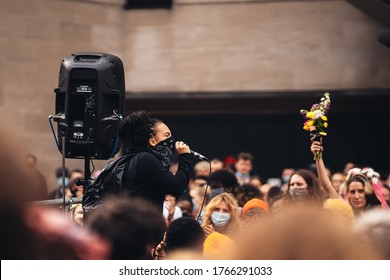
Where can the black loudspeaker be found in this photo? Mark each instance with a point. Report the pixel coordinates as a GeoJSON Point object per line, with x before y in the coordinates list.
{"type": "Point", "coordinates": [89, 104]}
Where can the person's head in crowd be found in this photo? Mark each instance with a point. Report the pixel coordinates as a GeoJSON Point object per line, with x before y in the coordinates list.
{"type": "Point", "coordinates": [253, 210]}
{"type": "Point", "coordinates": [303, 187]}
{"type": "Point", "coordinates": [386, 193]}
{"type": "Point", "coordinates": [348, 166]}
{"type": "Point", "coordinates": [360, 193]}
{"type": "Point", "coordinates": [199, 181]}
{"type": "Point", "coordinates": [58, 174]}
{"type": "Point", "coordinates": [271, 182]}
{"type": "Point", "coordinates": [256, 181]}
{"type": "Point", "coordinates": [202, 168]}
{"type": "Point", "coordinates": [216, 164]}
{"type": "Point", "coordinates": [374, 227]}
{"type": "Point", "coordinates": [229, 163]}
{"type": "Point", "coordinates": [133, 226]}
{"type": "Point", "coordinates": [337, 180]}
{"type": "Point", "coordinates": [200, 193]}
{"type": "Point", "coordinates": [75, 188]}
{"type": "Point", "coordinates": [16, 191]}
{"type": "Point", "coordinates": [303, 233]}
{"type": "Point", "coordinates": [243, 167]}
{"type": "Point", "coordinates": [245, 193]}
{"type": "Point", "coordinates": [222, 181]}
{"type": "Point", "coordinates": [286, 174]}
{"type": "Point", "coordinates": [58, 237]}
{"type": "Point", "coordinates": [341, 208]}
{"type": "Point", "coordinates": [185, 203]}
{"type": "Point", "coordinates": [386, 180]}
{"type": "Point", "coordinates": [35, 232]}
{"type": "Point", "coordinates": [184, 235]}
{"type": "Point", "coordinates": [274, 182]}
{"type": "Point", "coordinates": [221, 214]}
{"type": "Point", "coordinates": [276, 204]}
{"type": "Point", "coordinates": [274, 192]}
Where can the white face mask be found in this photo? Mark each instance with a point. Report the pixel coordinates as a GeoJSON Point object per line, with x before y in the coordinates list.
{"type": "Point", "coordinates": [298, 193]}
{"type": "Point", "coordinates": [220, 219]}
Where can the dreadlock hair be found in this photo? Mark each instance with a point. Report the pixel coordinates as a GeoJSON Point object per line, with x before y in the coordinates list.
{"type": "Point", "coordinates": [136, 129]}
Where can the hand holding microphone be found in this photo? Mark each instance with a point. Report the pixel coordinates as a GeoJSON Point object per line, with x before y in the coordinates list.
{"type": "Point", "coordinates": [182, 148]}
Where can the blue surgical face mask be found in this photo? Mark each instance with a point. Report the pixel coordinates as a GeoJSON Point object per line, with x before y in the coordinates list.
{"type": "Point", "coordinates": [285, 178]}
{"type": "Point", "coordinates": [220, 219]}
{"type": "Point", "coordinates": [59, 181]}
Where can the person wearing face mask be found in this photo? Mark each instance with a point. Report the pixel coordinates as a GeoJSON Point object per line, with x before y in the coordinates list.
{"type": "Point", "coordinates": [221, 215]}
{"type": "Point", "coordinates": [58, 192]}
{"type": "Point", "coordinates": [303, 187]}
{"type": "Point", "coordinates": [151, 147]}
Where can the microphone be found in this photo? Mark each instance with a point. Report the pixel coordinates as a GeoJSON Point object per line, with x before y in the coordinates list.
{"type": "Point", "coordinates": [199, 156]}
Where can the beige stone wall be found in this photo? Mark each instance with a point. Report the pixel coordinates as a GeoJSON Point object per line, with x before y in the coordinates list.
{"type": "Point", "coordinates": [255, 46]}
{"type": "Point", "coordinates": [289, 45]}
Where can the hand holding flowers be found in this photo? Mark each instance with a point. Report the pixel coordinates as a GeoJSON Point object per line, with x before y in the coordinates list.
{"type": "Point", "coordinates": [316, 121]}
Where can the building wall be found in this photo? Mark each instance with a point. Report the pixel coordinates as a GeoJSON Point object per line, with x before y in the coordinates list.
{"type": "Point", "coordinates": [221, 46]}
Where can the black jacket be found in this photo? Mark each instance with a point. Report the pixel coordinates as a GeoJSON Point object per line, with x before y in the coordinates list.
{"type": "Point", "coordinates": [146, 177]}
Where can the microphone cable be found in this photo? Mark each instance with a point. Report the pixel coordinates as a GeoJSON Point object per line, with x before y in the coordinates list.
{"type": "Point", "coordinates": [205, 192]}
{"type": "Point", "coordinates": [53, 132]}
{"type": "Point", "coordinates": [120, 117]}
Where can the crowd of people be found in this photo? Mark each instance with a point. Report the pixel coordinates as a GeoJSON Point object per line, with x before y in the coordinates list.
{"type": "Point", "coordinates": [173, 206]}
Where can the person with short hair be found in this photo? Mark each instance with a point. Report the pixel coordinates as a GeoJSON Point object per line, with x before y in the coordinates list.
{"type": "Point", "coordinates": [133, 226]}
{"type": "Point", "coordinates": [184, 234]}
{"type": "Point", "coordinates": [243, 167]}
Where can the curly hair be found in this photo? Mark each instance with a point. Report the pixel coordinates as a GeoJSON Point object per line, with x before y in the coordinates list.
{"type": "Point", "coordinates": [231, 202]}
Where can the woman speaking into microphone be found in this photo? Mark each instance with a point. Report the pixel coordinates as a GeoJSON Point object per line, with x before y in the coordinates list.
{"type": "Point", "coordinates": [151, 145]}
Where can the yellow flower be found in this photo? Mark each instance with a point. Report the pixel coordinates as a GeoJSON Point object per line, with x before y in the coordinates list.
{"type": "Point", "coordinates": [305, 127]}
{"type": "Point", "coordinates": [325, 124]}
{"type": "Point", "coordinates": [310, 123]}
{"type": "Point", "coordinates": [324, 118]}
{"type": "Point", "coordinates": [323, 133]}
{"type": "Point", "coordinates": [309, 115]}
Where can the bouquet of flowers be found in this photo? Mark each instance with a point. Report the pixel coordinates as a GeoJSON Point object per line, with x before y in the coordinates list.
{"type": "Point", "coordinates": [316, 120]}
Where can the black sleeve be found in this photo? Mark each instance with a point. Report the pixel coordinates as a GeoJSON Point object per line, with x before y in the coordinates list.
{"type": "Point", "coordinates": [161, 179]}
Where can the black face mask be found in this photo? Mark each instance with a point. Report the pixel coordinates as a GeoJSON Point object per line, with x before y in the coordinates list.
{"type": "Point", "coordinates": [164, 151]}
{"type": "Point", "coordinates": [168, 143]}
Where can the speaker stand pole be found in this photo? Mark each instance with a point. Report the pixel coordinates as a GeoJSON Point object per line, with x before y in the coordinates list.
{"type": "Point", "coordinates": [63, 127]}
{"type": "Point", "coordinates": [87, 171]}
{"type": "Point", "coordinates": [87, 177]}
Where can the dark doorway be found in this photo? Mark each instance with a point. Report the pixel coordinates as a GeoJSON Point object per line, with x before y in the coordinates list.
{"type": "Point", "coordinates": [357, 132]}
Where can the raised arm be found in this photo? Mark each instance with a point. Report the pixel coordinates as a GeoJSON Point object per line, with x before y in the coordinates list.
{"type": "Point", "coordinates": [321, 170]}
